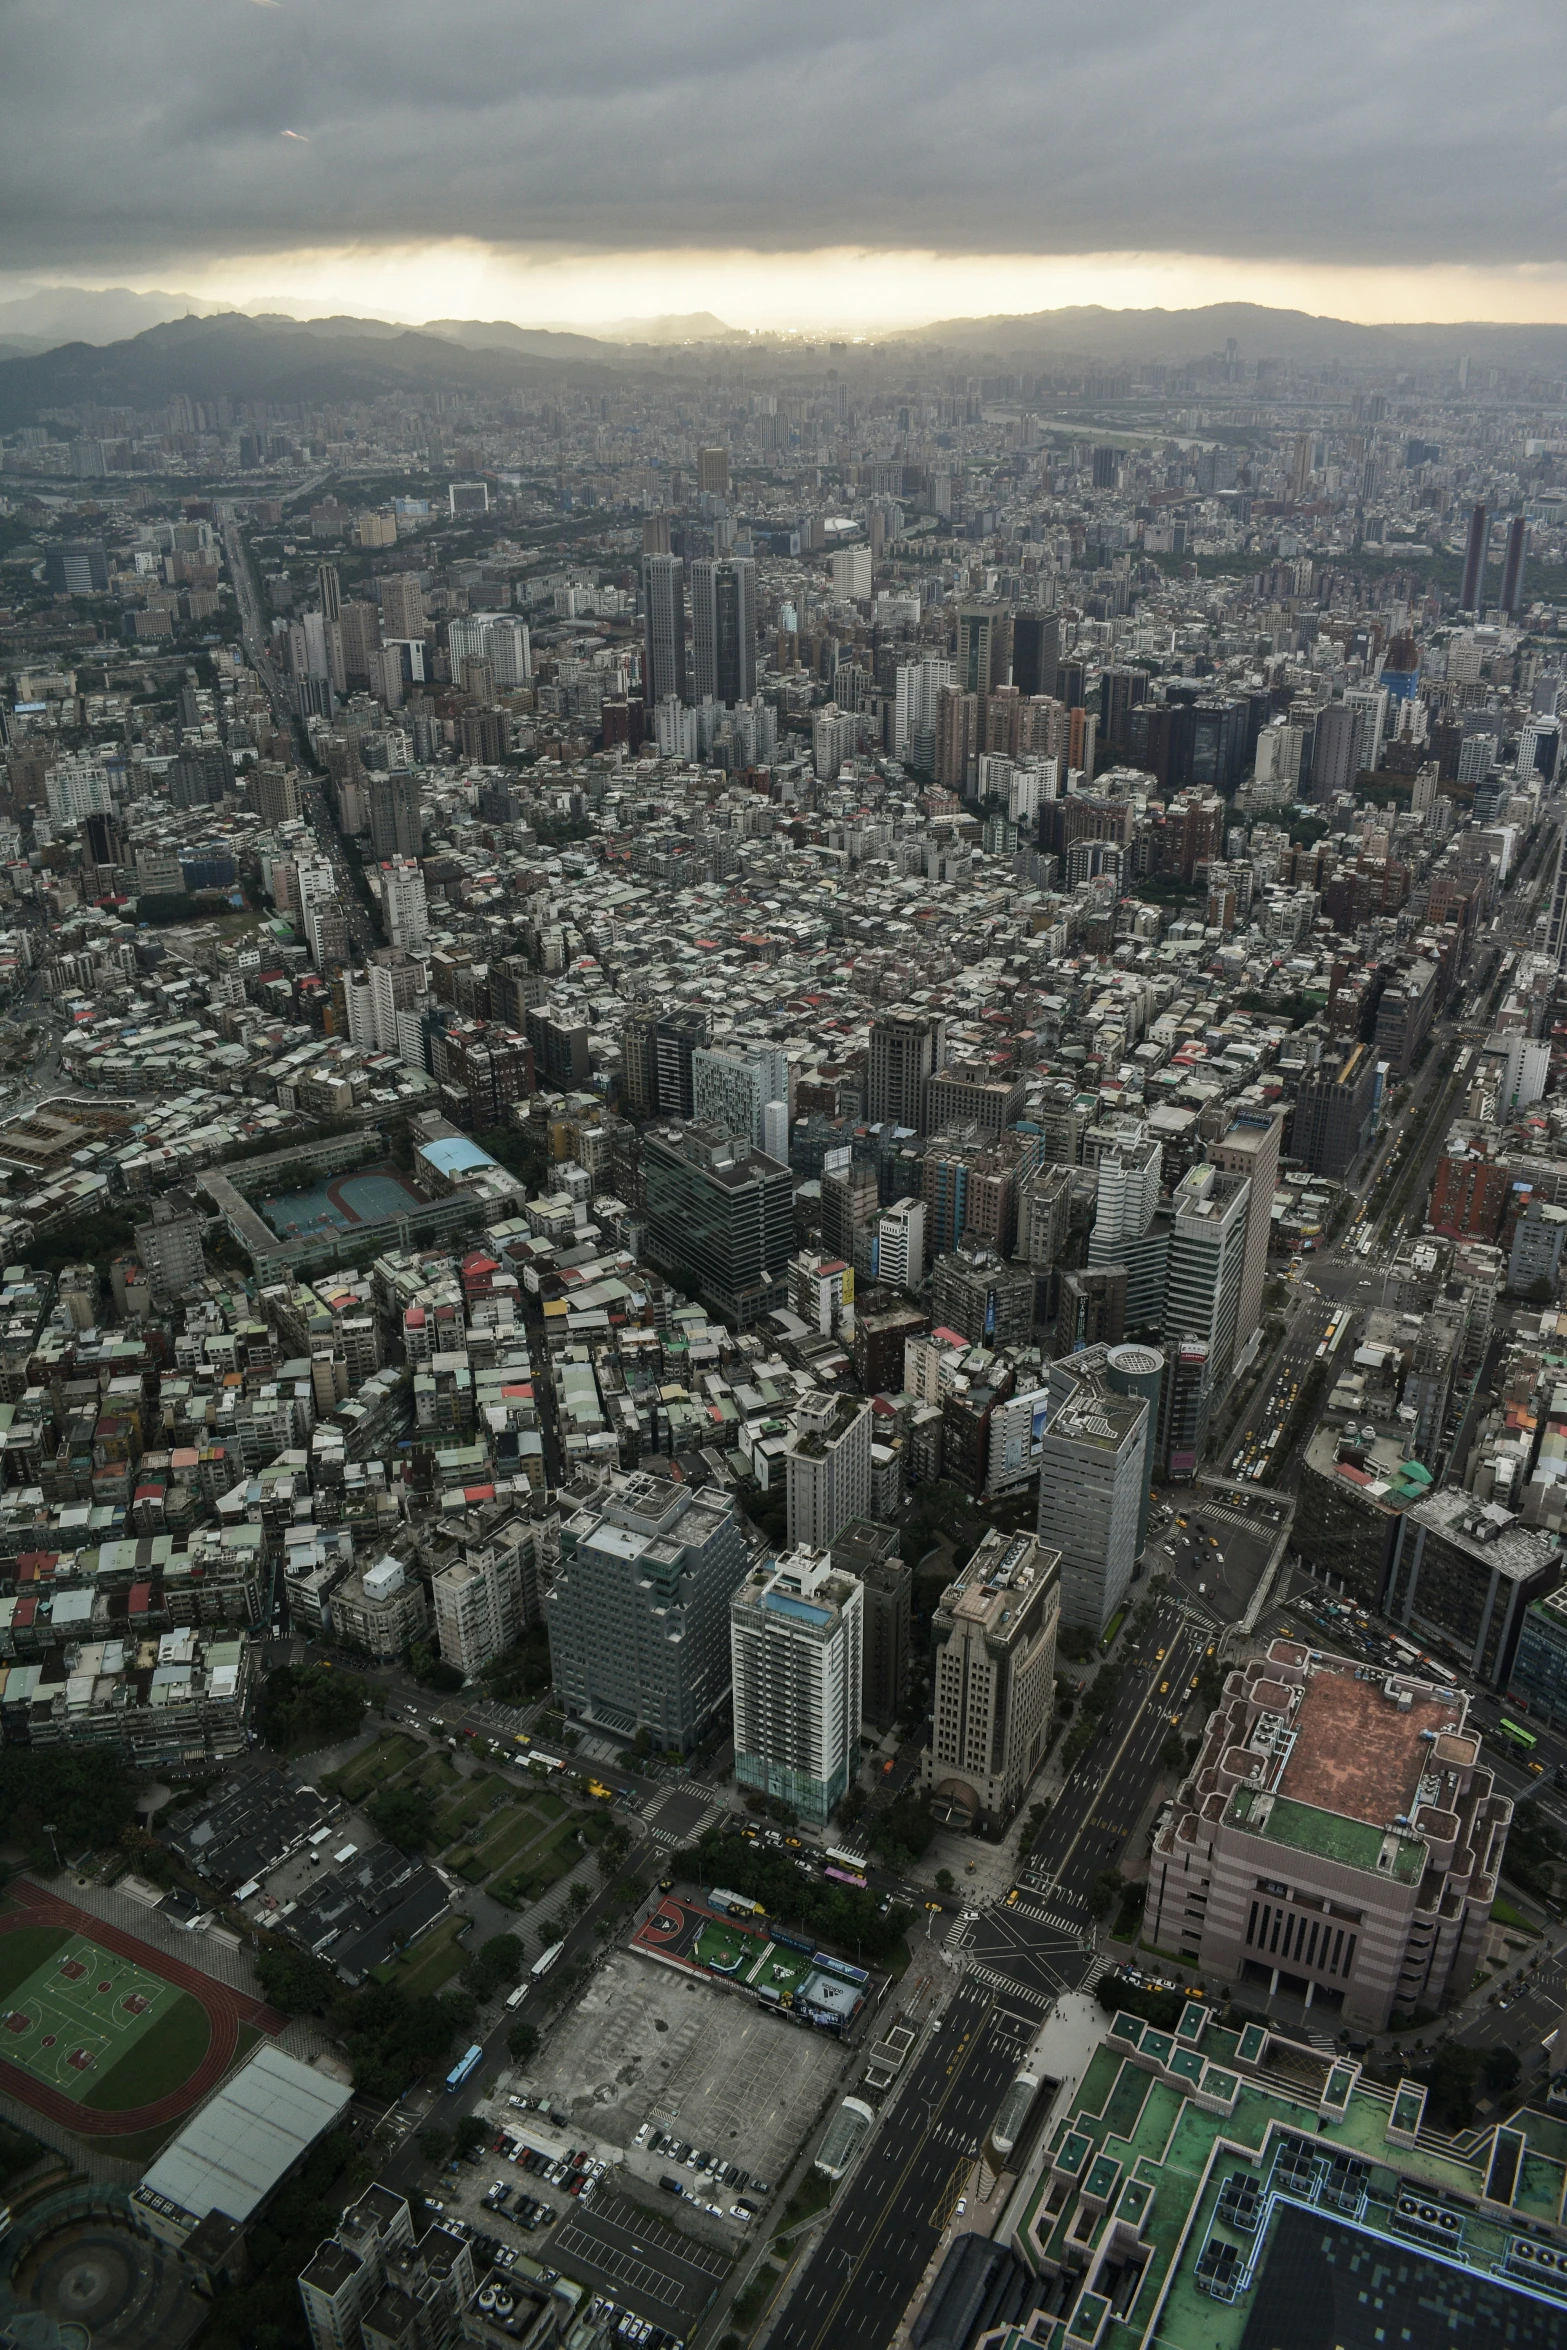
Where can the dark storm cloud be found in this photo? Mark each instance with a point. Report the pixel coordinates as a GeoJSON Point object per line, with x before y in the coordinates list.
{"type": "Point", "coordinates": [1404, 133]}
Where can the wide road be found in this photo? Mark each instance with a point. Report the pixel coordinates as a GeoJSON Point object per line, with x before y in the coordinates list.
{"type": "Point", "coordinates": [893, 2211]}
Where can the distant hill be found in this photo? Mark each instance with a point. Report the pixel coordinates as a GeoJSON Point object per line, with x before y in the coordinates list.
{"type": "Point", "coordinates": [1172, 336]}
{"type": "Point", "coordinates": [84, 314]}
{"type": "Point", "coordinates": [498, 334]}
{"type": "Point", "coordinates": [274, 359]}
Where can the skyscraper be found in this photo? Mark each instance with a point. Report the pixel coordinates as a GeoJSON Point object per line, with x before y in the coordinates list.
{"type": "Point", "coordinates": [1251, 1148]}
{"type": "Point", "coordinates": [732, 1085]}
{"type": "Point", "coordinates": [827, 1464]}
{"type": "Point", "coordinates": [638, 1613]}
{"type": "Point", "coordinates": [720, 1221]}
{"type": "Point", "coordinates": [403, 904]}
{"type": "Point", "coordinates": [796, 1633]}
{"type": "Point", "coordinates": [1036, 652]}
{"type": "Point", "coordinates": [1472, 590]}
{"type": "Point", "coordinates": [1207, 1255]}
{"type": "Point", "coordinates": [396, 819]}
{"type": "Point", "coordinates": [723, 630]}
{"type": "Point", "coordinates": [664, 647]}
{"type": "Point", "coordinates": [678, 1035]}
{"type": "Point", "coordinates": [995, 1657]}
{"type": "Point", "coordinates": [983, 634]}
{"type": "Point", "coordinates": [1093, 1477]}
{"type": "Point", "coordinates": [402, 605]}
{"type": "Point", "coordinates": [907, 1047]}
{"type": "Point", "coordinates": [1510, 602]}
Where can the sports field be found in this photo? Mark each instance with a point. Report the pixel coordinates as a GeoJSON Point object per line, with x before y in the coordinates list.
{"type": "Point", "coordinates": [97, 2028]}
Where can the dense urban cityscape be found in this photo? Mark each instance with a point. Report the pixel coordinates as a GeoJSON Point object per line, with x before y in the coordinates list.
{"type": "Point", "coordinates": [783, 1370]}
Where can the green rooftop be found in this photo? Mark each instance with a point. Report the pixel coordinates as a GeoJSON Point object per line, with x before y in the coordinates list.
{"type": "Point", "coordinates": [1166, 2143]}
{"type": "Point", "coordinates": [1328, 1835]}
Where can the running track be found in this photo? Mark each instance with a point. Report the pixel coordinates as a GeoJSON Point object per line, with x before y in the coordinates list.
{"type": "Point", "coordinates": [226, 2010]}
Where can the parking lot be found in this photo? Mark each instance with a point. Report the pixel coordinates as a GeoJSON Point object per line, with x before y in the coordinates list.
{"type": "Point", "coordinates": [645, 2044]}
{"type": "Point", "coordinates": [642, 2262]}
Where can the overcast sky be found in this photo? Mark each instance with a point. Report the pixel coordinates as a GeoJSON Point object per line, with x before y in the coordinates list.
{"type": "Point", "coordinates": [197, 141]}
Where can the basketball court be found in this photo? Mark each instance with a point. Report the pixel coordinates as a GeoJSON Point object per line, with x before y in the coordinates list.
{"type": "Point", "coordinates": [70, 2020]}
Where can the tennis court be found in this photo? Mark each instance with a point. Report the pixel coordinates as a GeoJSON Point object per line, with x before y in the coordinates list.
{"type": "Point", "coordinates": [80, 2011]}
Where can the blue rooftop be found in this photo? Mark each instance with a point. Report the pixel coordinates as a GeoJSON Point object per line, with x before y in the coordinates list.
{"type": "Point", "coordinates": [455, 1154]}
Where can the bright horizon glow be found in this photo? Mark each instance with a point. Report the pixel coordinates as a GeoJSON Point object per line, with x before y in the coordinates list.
{"type": "Point", "coordinates": [839, 290]}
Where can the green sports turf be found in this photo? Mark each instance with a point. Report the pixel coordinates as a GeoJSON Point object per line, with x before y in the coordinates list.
{"type": "Point", "coordinates": [167, 2053]}
{"type": "Point", "coordinates": [24, 1951]}
{"type": "Point", "coordinates": [67, 2022]}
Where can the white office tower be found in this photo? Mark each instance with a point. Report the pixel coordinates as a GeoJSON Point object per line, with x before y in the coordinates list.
{"type": "Point", "coordinates": [796, 1633]}
{"type": "Point", "coordinates": [900, 1252]}
{"type": "Point", "coordinates": [916, 685]}
{"type": "Point", "coordinates": [1125, 1199]}
{"type": "Point", "coordinates": [403, 904]}
{"type": "Point", "coordinates": [731, 1086]}
{"type": "Point", "coordinates": [1207, 1257]}
{"type": "Point", "coordinates": [494, 637]}
{"type": "Point", "coordinates": [851, 573]}
{"type": "Point", "coordinates": [1092, 1477]}
{"type": "Point", "coordinates": [77, 787]}
{"type": "Point", "coordinates": [995, 1643]}
{"type": "Point", "coordinates": [775, 1132]}
{"type": "Point", "coordinates": [827, 1464]}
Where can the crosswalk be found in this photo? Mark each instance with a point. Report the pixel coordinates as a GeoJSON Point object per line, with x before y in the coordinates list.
{"type": "Point", "coordinates": [1046, 1917]}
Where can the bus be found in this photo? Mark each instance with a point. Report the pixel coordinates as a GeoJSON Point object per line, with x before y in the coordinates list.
{"type": "Point", "coordinates": [516, 1998]}
{"type": "Point", "coordinates": [844, 1876]}
{"type": "Point", "coordinates": [465, 2066]}
{"type": "Point", "coordinates": [546, 1959]}
{"type": "Point", "coordinates": [1517, 1735]}
{"type": "Point", "coordinates": [847, 1860]}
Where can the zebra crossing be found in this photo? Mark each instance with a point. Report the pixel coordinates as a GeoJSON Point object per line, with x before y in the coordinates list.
{"type": "Point", "coordinates": [1039, 1916]}
{"type": "Point", "coordinates": [1029, 1995]}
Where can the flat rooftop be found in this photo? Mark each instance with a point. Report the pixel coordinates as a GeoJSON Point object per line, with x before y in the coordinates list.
{"type": "Point", "coordinates": [1358, 1753]}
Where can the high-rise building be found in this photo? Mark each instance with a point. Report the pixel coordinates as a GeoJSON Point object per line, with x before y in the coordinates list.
{"type": "Point", "coordinates": [1476, 546]}
{"type": "Point", "coordinates": [481, 1603]}
{"type": "Point", "coordinates": [796, 1630]}
{"type": "Point", "coordinates": [638, 1613]}
{"type": "Point", "coordinates": [1335, 750]}
{"type": "Point", "coordinates": [678, 1035]}
{"type": "Point", "coordinates": [347, 2274]}
{"type": "Point", "coordinates": [1106, 466]}
{"type": "Point", "coordinates": [1510, 602]}
{"type": "Point", "coordinates": [900, 1249]}
{"type": "Point", "coordinates": [664, 671]}
{"type": "Point", "coordinates": [984, 632]}
{"type": "Point", "coordinates": [907, 1047]}
{"type": "Point", "coordinates": [732, 1085]}
{"type": "Point", "coordinates": [1093, 1481]}
{"type": "Point", "coordinates": [403, 904]}
{"type": "Point", "coordinates": [712, 471]}
{"type": "Point", "coordinates": [396, 817]}
{"type": "Point", "coordinates": [868, 1551]}
{"type": "Point", "coordinates": [851, 573]}
{"type": "Point", "coordinates": [1334, 1106]}
{"type": "Point", "coordinates": [827, 1468]}
{"type": "Point", "coordinates": [1184, 1407]}
{"type": "Point", "coordinates": [1207, 1258]}
{"type": "Point", "coordinates": [723, 630]}
{"type": "Point", "coordinates": [402, 605]}
{"type": "Point", "coordinates": [720, 1220]}
{"type": "Point", "coordinates": [851, 1203]}
{"type": "Point", "coordinates": [169, 1246]}
{"type": "Point", "coordinates": [1251, 1148]}
{"type": "Point", "coordinates": [995, 1654]}
{"type": "Point", "coordinates": [1036, 652]}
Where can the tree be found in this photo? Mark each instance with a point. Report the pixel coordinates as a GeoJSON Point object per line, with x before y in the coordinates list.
{"type": "Point", "coordinates": [295, 1983]}
{"type": "Point", "coordinates": [1451, 2078]}
{"type": "Point", "coordinates": [494, 1966]}
{"type": "Point", "coordinates": [85, 1796]}
{"type": "Point", "coordinates": [472, 2135]}
{"type": "Point", "coordinates": [403, 1816]}
{"type": "Point", "coordinates": [577, 1899]}
{"type": "Point", "coordinates": [522, 2043]}
{"type": "Point", "coordinates": [945, 1881]}
{"type": "Point", "coordinates": [435, 2145]}
{"type": "Point", "coordinates": [432, 1671]}
{"type": "Point", "coordinates": [1500, 2068]}
{"type": "Point", "coordinates": [311, 1705]}
{"type": "Point", "coordinates": [1104, 1893]}
{"type": "Point", "coordinates": [1173, 1752]}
